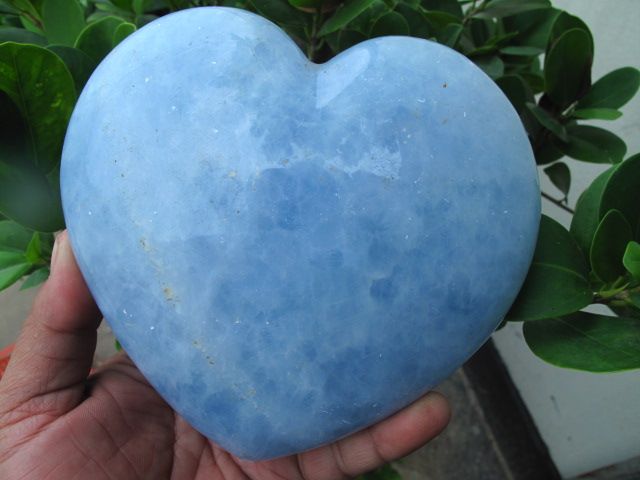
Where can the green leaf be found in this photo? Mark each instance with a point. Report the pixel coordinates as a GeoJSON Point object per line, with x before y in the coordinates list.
{"type": "Point", "coordinates": [622, 193]}
{"type": "Point", "coordinates": [418, 27]}
{"type": "Point", "coordinates": [344, 14]}
{"type": "Point", "coordinates": [63, 21]}
{"type": "Point", "coordinates": [123, 4]}
{"type": "Point", "coordinates": [613, 90]}
{"type": "Point", "coordinates": [13, 236]}
{"type": "Point", "coordinates": [31, 198]}
{"type": "Point", "coordinates": [96, 39]}
{"type": "Point", "coordinates": [280, 11]}
{"type": "Point", "coordinates": [524, 51]}
{"type": "Point", "coordinates": [587, 213]}
{"type": "Point", "coordinates": [593, 144]}
{"type": "Point", "coordinates": [557, 280]}
{"type": "Point", "coordinates": [567, 67]}
{"type": "Point", "coordinates": [585, 341]}
{"type": "Point", "coordinates": [78, 63]}
{"type": "Point", "coordinates": [517, 90]}
{"type": "Point", "coordinates": [533, 27]}
{"type": "Point", "coordinates": [20, 35]}
{"type": "Point", "coordinates": [10, 275]}
{"type": "Point", "coordinates": [34, 249]}
{"type": "Point", "coordinates": [36, 278]}
{"type": "Point", "coordinates": [560, 176]}
{"type": "Point", "coordinates": [548, 122]}
{"type": "Point", "coordinates": [305, 3]}
{"type": "Point", "coordinates": [565, 22]}
{"type": "Point", "coordinates": [492, 65]}
{"type": "Point", "coordinates": [452, 7]}
{"type": "Point", "coordinates": [450, 34]}
{"type": "Point", "coordinates": [440, 19]}
{"type": "Point", "coordinates": [548, 291]}
{"type": "Point", "coordinates": [631, 260]}
{"type": "Point", "coordinates": [123, 31]}
{"type": "Point", "coordinates": [9, 259]}
{"type": "Point", "coordinates": [391, 23]}
{"type": "Point", "coordinates": [363, 22]}
{"type": "Point", "coordinates": [597, 113]}
{"type": "Point", "coordinates": [556, 246]}
{"type": "Point", "coordinates": [38, 82]}
{"type": "Point", "coordinates": [504, 8]}
{"type": "Point", "coordinates": [608, 246]}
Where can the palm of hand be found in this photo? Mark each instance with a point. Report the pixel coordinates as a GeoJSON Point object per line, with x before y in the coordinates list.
{"type": "Point", "coordinates": [57, 423]}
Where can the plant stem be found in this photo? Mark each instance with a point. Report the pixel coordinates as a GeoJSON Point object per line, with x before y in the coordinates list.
{"type": "Point", "coordinates": [557, 202]}
{"type": "Point", "coordinates": [313, 38]}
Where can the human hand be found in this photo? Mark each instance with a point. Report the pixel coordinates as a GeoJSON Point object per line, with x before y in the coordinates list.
{"type": "Point", "coordinates": [58, 421]}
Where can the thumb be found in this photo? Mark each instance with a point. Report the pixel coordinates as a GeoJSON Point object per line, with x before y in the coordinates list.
{"type": "Point", "coordinates": [55, 350]}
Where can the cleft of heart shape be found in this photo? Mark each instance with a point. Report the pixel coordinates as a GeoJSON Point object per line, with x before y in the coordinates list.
{"type": "Point", "coordinates": [289, 251]}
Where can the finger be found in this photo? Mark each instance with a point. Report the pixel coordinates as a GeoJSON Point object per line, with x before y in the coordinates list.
{"type": "Point", "coordinates": [56, 346]}
{"type": "Point", "coordinates": [393, 438]}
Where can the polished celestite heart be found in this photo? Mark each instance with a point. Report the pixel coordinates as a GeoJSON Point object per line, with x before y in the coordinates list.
{"type": "Point", "coordinates": [289, 251]}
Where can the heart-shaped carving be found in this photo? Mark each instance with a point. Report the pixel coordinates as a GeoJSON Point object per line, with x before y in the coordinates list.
{"type": "Point", "coordinates": [290, 251]}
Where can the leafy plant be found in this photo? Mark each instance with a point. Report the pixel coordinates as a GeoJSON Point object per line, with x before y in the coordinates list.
{"type": "Point", "coordinates": [538, 55]}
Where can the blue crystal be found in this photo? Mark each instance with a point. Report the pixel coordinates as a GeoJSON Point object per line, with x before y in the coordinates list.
{"type": "Point", "coordinates": [290, 251]}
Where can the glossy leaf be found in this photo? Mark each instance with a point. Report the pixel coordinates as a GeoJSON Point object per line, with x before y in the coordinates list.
{"type": "Point", "coordinates": [391, 23]}
{"type": "Point", "coordinates": [517, 91]}
{"type": "Point", "coordinates": [564, 22]}
{"type": "Point", "coordinates": [548, 122]}
{"type": "Point", "coordinates": [567, 67]}
{"type": "Point", "coordinates": [560, 176]}
{"type": "Point", "coordinates": [613, 90]}
{"type": "Point", "coordinates": [597, 113]}
{"type": "Point", "coordinates": [593, 144]}
{"type": "Point", "coordinates": [344, 14]}
{"type": "Point", "coordinates": [13, 236]}
{"type": "Point", "coordinates": [36, 278]}
{"type": "Point", "coordinates": [30, 198]}
{"type": "Point", "coordinates": [587, 213]}
{"type": "Point", "coordinates": [279, 11]}
{"type": "Point", "coordinates": [79, 64]}
{"type": "Point", "coordinates": [10, 275]}
{"type": "Point", "coordinates": [123, 31]}
{"type": "Point", "coordinates": [20, 35]}
{"type": "Point", "coordinates": [96, 40]}
{"type": "Point", "coordinates": [450, 34]}
{"type": "Point", "coordinates": [418, 27]}
{"type": "Point", "coordinates": [452, 7]}
{"type": "Point", "coordinates": [521, 50]}
{"type": "Point", "coordinates": [492, 65]}
{"type": "Point", "coordinates": [63, 21]}
{"type": "Point", "coordinates": [533, 27]}
{"type": "Point", "coordinates": [631, 259]}
{"type": "Point", "coordinates": [9, 259]}
{"type": "Point", "coordinates": [504, 8]}
{"type": "Point", "coordinates": [586, 341]}
{"type": "Point", "coordinates": [608, 246]}
{"type": "Point", "coordinates": [33, 252]}
{"type": "Point", "coordinates": [557, 280]}
{"type": "Point", "coordinates": [622, 192]}
{"type": "Point", "coordinates": [40, 85]}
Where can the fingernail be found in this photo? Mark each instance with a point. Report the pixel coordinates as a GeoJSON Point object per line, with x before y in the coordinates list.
{"type": "Point", "coordinates": [58, 253]}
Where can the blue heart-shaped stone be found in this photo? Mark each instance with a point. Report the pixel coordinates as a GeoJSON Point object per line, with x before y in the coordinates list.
{"type": "Point", "coordinates": [289, 251]}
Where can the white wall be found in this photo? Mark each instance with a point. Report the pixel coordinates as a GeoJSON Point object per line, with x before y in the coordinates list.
{"type": "Point", "coordinates": [587, 420]}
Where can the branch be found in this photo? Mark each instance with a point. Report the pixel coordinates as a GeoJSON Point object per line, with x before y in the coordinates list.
{"type": "Point", "coordinates": [557, 202]}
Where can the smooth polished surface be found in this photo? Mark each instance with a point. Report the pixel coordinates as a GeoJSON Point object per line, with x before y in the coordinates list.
{"type": "Point", "coordinates": [291, 251]}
